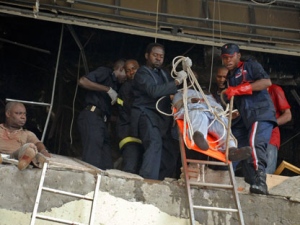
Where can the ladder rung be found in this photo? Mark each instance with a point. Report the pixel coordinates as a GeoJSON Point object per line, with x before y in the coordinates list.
{"type": "Point", "coordinates": [49, 218]}
{"type": "Point", "coordinates": [225, 186]}
{"type": "Point", "coordinates": [67, 193]}
{"type": "Point", "coordinates": [205, 162]}
{"type": "Point", "coordinates": [28, 102]}
{"type": "Point", "coordinates": [11, 161]}
{"type": "Point", "coordinates": [215, 208]}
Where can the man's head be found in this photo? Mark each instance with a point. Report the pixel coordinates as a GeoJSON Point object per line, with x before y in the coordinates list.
{"type": "Point", "coordinates": [230, 54]}
{"type": "Point", "coordinates": [131, 66]}
{"type": "Point", "coordinates": [15, 115]}
{"type": "Point", "coordinates": [119, 70]}
{"type": "Point", "coordinates": [155, 55]}
{"type": "Point", "coordinates": [221, 77]}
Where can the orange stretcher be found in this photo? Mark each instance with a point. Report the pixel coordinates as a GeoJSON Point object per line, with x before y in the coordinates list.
{"type": "Point", "coordinates": [212, 144]}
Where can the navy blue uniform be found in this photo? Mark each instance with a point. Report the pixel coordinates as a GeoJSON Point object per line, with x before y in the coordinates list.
{"type": "Point", "coordinates": [257, 116]}
{"type": "Point", "coordinates": [152, 127]}
{"type": "Point", "coordinates": [130, 147]}
{"type": "Point", "coordinates": [91, 121]}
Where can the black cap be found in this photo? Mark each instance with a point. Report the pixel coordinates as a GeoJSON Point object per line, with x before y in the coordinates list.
{"type": "Point", "coordinates": [229, 49]}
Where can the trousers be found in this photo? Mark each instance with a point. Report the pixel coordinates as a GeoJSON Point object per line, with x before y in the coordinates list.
{"type": "Point", "coordinates": [257, 137]}
{"type": "Point", "coordinates": [95, 140]}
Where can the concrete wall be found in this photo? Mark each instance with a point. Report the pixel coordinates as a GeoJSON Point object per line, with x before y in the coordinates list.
{"type": "Point", "coordinates": [127, 199]}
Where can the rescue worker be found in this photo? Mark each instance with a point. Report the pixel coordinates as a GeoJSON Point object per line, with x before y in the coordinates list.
{"type": "Point", "coordinates": [220, 86]}
{"type": "Point", "coordinates": [102, 86]}
{"type": "Point", "coordinates": [20, 143]}
{"type": "Point", "coordinates": [283, 115]}
{"type": "Point", "coordinates": [130, 147]}
{"type": "Point", "coordinates": [248, 83]}
{"type": "Point", "coordinates": [151, 82]}
{"type": "Point", "coordinates": [220, 83]}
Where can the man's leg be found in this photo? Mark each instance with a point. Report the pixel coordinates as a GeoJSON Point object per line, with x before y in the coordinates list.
{"type": "Point", "coordinates": [132, 157]}
{"type": "Point", "coordinates": [95, 140]}
{"type": "Point", "coordinates": [272, 152]}
{"type": "Point", "coordinates": [259, 138]}
{"type": "Point", "coordinates": [199, 121]}
{"type": "Point", "coordinates": [25, 155]}
{"type": "Point", "coordinates": [240, 132]}
{"type": "Point", "coordinates": [169, 157]}
{"type": "Point", "coordinates": [219, 130]}
{"type": "Point", "coordinates": [152, 143]}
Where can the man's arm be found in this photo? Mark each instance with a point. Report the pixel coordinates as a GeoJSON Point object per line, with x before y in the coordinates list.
{"type": "Point", "coordinates": [261, 84]}
{"type": "Point", "coordinates": [42, 149]}
{"type": "Point", "coordinates": [285, 117]}
{"type": "Point", "coordinates": [87, 84]}
{"type": "Point", "coordinates": [247, 88]}
{"type": "Point", "coordinates": [32, 138]}
{"type": "Point", "coordinates": [145, 83]}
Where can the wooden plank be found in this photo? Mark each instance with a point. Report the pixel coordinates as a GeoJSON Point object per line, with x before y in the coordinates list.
{"type": "Point", "coordinates": [274, 180]}
{"type": "Point", "coordinates": [285, 165]}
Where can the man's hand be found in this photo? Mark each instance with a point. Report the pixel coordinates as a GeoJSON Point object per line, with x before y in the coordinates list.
{"type": "Point", "coordinates": [181, 75]}
{"type": "Point", "coordinates": [113, 95]}
{"type": "Point", "coordinates": [186, 63]}
{"type": "Point", "coordinates": [235, 114]}
{"type": "Point", "coordinates": [45, 153]}
{"type": "Point", "coordinates": [242, 89]}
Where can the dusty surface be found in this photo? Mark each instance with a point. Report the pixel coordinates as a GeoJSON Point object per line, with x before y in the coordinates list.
{"type": "Point", "coordinates": [126, 198]}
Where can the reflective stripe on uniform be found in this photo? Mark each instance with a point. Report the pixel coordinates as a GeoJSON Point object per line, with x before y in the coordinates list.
{"type": "Point", "coordinates": [120, 101]}
{"type": "Point", "coordinates": [127, 140]}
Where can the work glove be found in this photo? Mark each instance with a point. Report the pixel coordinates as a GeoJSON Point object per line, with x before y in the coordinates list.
{"type": "Point", "coordinates": [181, 75]}
{"type": "Point", "coordinates": [186, 63]}
{"type": "Point", "coordinates": [113, 95]}
{"type": "Point", "coordinates": [242, 89]}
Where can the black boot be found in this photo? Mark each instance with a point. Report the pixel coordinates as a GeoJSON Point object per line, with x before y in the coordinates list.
{"type": "Point", "coordinates": [237, 154]}
{"type": "Point", "coordinates": [200, 141]}
{"type": "Point", "coordinates": [260, 185]}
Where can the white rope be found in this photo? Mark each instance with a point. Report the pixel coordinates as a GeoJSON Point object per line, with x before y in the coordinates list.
{"type": "Point", "coordinates": [213, 37]}
{"type": "Point", "coordinates": [161, 112]}
{"type": "Point", "coordinates": [212, 47]}
{"type": "Point", "coordinates": [36, 8]}
{"type": "Point", "coordinates": [195, 85]}
{"type": "Point", "coordinates": [73, 102]}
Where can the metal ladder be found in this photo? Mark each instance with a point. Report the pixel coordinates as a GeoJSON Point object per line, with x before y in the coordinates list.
{"type": "Point", "coordinates": [56, 191]}
{"type": "Point", "coordinates": [189, 184]}
{"type": "Point", "coordinates": [223, 161]}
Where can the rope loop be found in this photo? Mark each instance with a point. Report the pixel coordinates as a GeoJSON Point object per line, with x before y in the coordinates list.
{"type": "Point", "coordinates": [191, 82]}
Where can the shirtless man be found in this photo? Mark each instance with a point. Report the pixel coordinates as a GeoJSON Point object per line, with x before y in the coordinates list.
{"type": "Point", "coordinates": [17, 142]}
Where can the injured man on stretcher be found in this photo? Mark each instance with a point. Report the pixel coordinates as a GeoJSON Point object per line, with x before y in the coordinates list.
{"type": "Point", "coordinates": [204, 115]}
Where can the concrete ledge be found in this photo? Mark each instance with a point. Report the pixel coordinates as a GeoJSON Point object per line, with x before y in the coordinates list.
{"type": "Point", "coordinates": [168, 198]}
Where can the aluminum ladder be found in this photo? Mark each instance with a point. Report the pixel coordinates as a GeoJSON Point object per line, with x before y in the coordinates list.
{"type": "Point", "coordinates": [189, 184]}
{"type": "Point", "coordinates": [223, 161]}
{"type": "Point", "coordinates": [41, 188]}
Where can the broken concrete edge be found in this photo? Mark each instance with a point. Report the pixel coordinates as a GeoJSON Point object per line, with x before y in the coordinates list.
{"type": "Point", "coordinates": [274, 181]}
{"type": "Point", "coordinates": [242, 186]}
{"type": "Point", "coordinates": [169, 196]}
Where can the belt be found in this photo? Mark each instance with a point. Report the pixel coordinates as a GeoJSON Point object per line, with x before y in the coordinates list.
{"type": "Point", "coordinates": [98, 112]}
